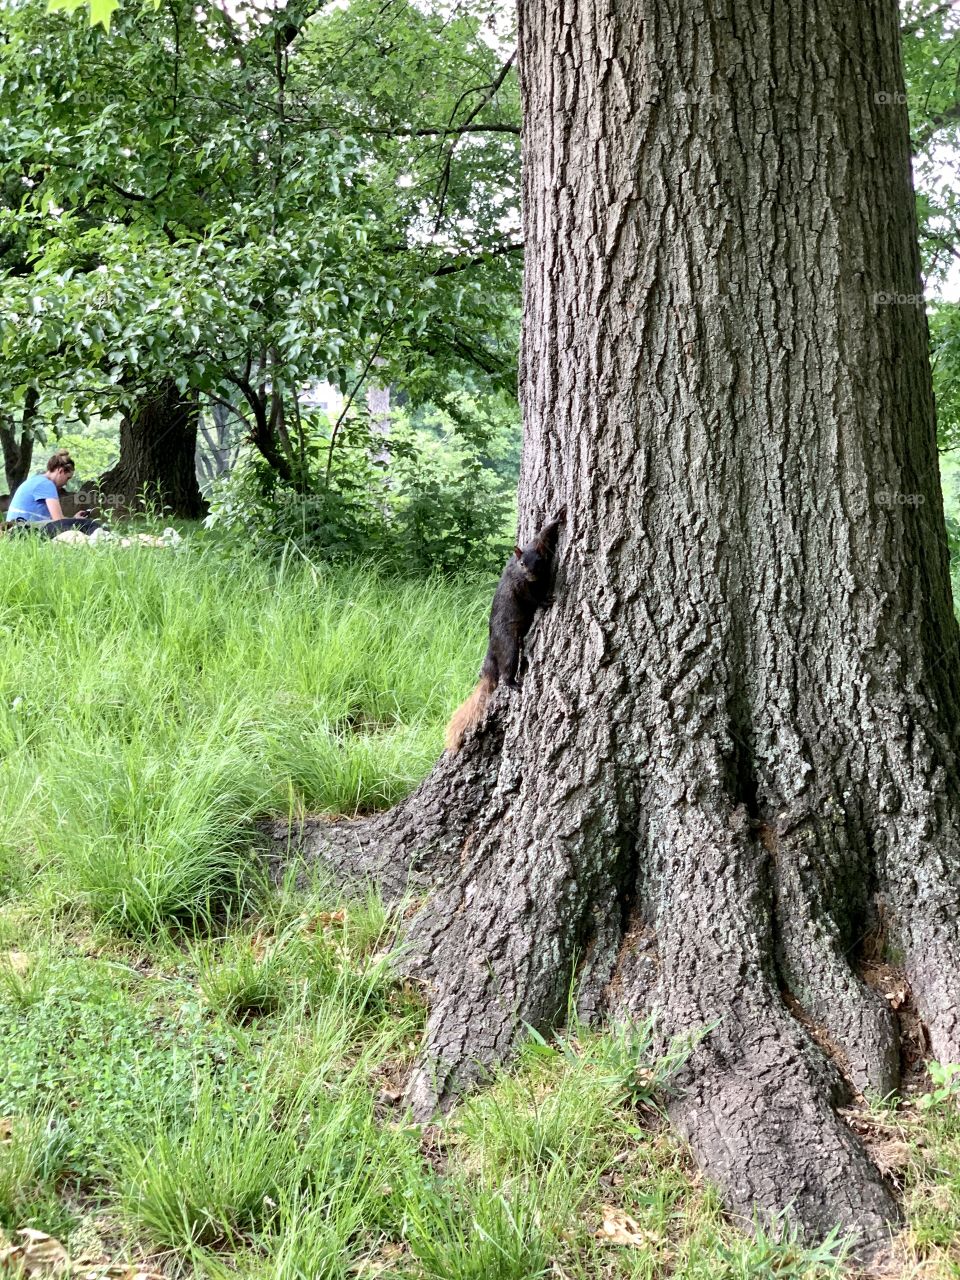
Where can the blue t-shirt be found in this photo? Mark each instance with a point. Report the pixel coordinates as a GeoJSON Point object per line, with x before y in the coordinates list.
{"type": "Point", "coordinates": [28, 503]}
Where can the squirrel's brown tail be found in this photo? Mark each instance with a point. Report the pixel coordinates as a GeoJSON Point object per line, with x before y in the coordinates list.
{"type": "Point", "coordinates": [469, 713]}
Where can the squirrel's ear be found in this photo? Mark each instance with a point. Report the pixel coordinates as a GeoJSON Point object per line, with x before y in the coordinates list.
{"type": "Point", "coordinates": [518, 552]}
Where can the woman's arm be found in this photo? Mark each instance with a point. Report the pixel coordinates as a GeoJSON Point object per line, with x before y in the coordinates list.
{"type": "Point", "coordinates": [54, 507]}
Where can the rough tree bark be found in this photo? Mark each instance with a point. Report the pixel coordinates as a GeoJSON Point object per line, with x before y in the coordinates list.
{"type": "Point", "coordinates": [158, 447]}
{"type": "Point", "coordinates": [733, 759]}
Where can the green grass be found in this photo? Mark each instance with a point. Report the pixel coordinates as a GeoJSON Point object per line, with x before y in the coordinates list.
{"type": "Point", "coordinates": [200, 1070]}
{"type": "Point", "coordinates": [154, 703]}
{"type": "Point", "coordinates": [31, 1164]}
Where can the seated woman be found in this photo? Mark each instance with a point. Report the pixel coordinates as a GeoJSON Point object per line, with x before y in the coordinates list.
{"type": "Point", "coordinates": [37, 500]}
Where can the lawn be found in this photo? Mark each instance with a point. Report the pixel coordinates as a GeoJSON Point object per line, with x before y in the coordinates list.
{"type": "Point", "coordinates": [201, 1071]}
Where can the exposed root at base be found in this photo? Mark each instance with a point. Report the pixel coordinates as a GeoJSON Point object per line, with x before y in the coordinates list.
{"type": "Point", "coordinates": [764, 1127]}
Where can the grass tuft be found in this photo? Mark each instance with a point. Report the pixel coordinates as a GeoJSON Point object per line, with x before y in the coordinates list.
{"type": "Point", "coordinates": [154, 704]}
{"type": "Point", "coordinates": [32, 1160]}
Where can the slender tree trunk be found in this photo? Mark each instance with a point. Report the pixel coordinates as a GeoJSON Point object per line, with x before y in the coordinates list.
{"type": "Point", "coordinates": [158, 448]}
{"type": "Point", "coordinates": [378, 411]}
{"type": "Point", "coordinates": [219, 444]}
{"type": "Point", "coordinates": [733, 761]}
{"type": "Point", "coordinates": [17, 443]}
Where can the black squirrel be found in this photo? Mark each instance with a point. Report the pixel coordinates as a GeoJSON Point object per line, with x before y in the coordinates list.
{"type": "Point", "coordinates": [524, 587]}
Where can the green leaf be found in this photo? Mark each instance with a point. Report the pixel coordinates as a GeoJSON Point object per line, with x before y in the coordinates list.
{"type": "Point", "coordinates": [101, 11]}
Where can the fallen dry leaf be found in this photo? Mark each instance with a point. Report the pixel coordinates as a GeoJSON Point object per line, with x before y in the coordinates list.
{"type": "Point", "coordinates": [618, 1227]}
{"type": "Point", "coordinates": [260, 944]}
{"type": "Point", "coordinates": [891, 1155]}
{"type": "Point", "coordinates": [329, 917]}
{"type": "Point", "coordinates": [37, 1254]}
{"type": "Point", "coordinates": [114, 1271]}
{"type": "Point", "coordinates": [378, 1264]}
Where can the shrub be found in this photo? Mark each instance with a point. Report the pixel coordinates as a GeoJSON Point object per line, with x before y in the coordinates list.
{"type": "Point", "coordinates": [413, 511]}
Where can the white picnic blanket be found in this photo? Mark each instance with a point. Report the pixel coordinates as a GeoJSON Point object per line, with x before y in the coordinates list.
{"type": "Point", "coordinates": [169, 538]}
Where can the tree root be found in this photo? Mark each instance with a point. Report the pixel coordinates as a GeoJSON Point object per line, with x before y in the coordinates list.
{"type": "Point", "coordinates": [922, 874]}
{"type": "Point", "coordinates": [761, 1121]}
{"type": "Point", "coordinates": [410, 847]}
{"type": "Point", "coordinates": [724, 932]}
{"type": "Point", "coordinates": [812, 961]}
{"type": "Point", "coordinates": [758, 1097]}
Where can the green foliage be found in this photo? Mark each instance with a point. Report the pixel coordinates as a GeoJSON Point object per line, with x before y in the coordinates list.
{"type": "Point", "coordinates": [32, 1158]}
{"type": "Point", "coordinates": [94, 447]}
{"type": "Point", "coordinates": [86, 1057]}
{"type": "Point", "coordinates": [249, 201]}
{"type": "Point", "coordinates": [166, 837]}
{"type": "Point", "coordinates": [469, 1234]}
{"type": "Point", "coordinates": [101, 11]}
{"type": "Point", "coordinates": [301, 967]}
{"type": "Point", "coordinates": [405, 501]}
{"type": "Point", "coordinates": [215, 1173]}
{"type": "Point", "coordinates": [24, 983]}
{"type": "Point", "coordinates": [931, 52]}
{"type": "Point", "coordinates": [778, 1250]}
{"type": "Point", "coordinates": [946, 1081]}
{"type": "Point", "coordinates": [244, 981]}
{"type": "Point", "coordinates": [945, 352]}
{"type": "Point", "coordinates": [928, 1136]}
{"type": "Point", "coordinates": [523, 1128]}
{"type": "Point", "coordinates": [250, 1148]}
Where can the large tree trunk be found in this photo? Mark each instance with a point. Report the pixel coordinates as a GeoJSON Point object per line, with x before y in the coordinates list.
{"type": "Point", "coordinates": [733, 759]}
{"type": "Point", "coordinates": [157, 465]}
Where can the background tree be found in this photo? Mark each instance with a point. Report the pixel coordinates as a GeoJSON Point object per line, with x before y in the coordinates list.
{"type": "Point", "coordinates": [209, 204]}
{"type": "Point", "coordinates": [221, 443]}
{"type": "Point", "coordinates": [16, 438]}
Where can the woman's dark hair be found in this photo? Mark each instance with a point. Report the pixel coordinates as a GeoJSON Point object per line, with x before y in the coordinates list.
{"type": "Point", "coordinates": [61, 459]}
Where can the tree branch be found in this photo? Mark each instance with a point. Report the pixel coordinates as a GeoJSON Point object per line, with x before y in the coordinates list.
{"type": "Point", "coordinates": [489, 92]}
{"type": "Point", "coordinates": [350, 399]}
{"type": "Point", "coordinates": [233, 408]}
{"type": "Point", "coordinates": [949, 115]}
{"type": "Point", "coordinates": [453, 267]}
{"type": "Point", "coordinates": [446, 130]}
{"type": "Point", "coordinates": [935, 12]}
{"type": "Point", "coordinates": [261, 435]}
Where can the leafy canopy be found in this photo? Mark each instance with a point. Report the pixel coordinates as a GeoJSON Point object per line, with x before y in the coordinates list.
{"type": "Point", "coordinates": [249, 200]}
